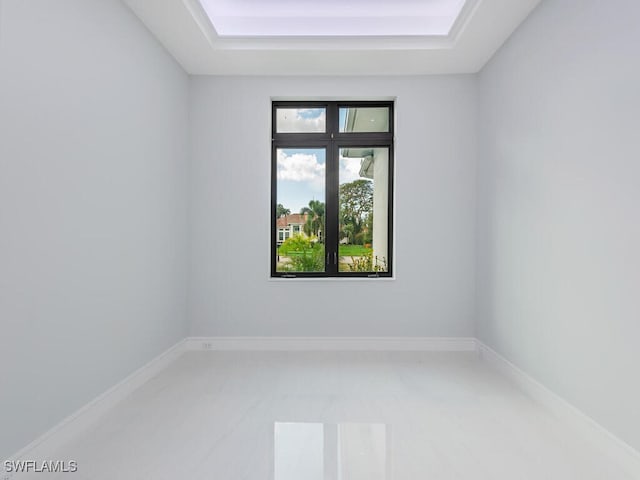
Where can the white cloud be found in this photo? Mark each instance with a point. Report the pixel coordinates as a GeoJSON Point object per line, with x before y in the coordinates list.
{"type": "Point", "coordinates": [300, 167]}
{"type": "Point", "coordinates": [305, 168]}
{"type": "Point", "coordinates": [349, 169]}
{"type": "Point", "coordinates": [297, 120]}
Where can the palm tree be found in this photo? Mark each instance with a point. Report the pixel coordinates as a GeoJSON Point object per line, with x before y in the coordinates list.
{"type": "Point", "coordinates": [315, 217]}
{"type": "Point", "coordinates": [281, 211]}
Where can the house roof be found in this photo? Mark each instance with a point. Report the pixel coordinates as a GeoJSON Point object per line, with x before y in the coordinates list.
{"type": "Point", "coordinates": [293, 219]}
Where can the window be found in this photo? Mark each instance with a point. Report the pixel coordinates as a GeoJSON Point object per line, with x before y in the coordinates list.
{"type": "Point", "coordinates": [332, 189]}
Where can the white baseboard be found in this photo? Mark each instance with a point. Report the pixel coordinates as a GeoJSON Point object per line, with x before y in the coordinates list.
{"type": "Point", "coordinates": [618, 450]}
{"type": "Point", "coordinates": [615, 448]}
{"type": "Point", "coordinates": [429, 344]}
{"type": "Point", "coordinates": [42, 446]}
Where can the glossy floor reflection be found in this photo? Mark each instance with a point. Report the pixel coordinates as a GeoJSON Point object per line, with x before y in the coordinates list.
{"type": "Point", "coordinates": [332, 416]}
{"type": "Point", "coordinates": [316, 451]}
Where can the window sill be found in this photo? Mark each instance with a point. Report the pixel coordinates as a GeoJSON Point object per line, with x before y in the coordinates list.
{"type": "Point", "coordinates": [332, 279]}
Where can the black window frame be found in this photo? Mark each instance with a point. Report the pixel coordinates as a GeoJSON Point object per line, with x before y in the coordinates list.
{"type": "Point", "coordinates": [332, 140]}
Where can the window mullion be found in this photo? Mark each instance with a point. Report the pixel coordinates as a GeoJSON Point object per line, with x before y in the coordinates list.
{"type": "Point", "coordinates": [331, 241]}
{"type": "Point", "coordinates": [331, 195]}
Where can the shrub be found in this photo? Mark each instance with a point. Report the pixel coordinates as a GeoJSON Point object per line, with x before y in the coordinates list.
{"type": "Point", "coordinates": [309, 261]}
{"type": "Point", "coordinates": [365, 263]}
{"type": "Point", "coordinates": [298, 244]}
{"type": "Point", "coordinates": [305, 253]}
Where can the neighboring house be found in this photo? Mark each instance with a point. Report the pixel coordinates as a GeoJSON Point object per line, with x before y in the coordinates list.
{"type": "Point", "coordinates": [290, 225]}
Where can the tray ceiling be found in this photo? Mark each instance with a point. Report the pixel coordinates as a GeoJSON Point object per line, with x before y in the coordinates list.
{"type": "Point", "coordinates": [331, 37]}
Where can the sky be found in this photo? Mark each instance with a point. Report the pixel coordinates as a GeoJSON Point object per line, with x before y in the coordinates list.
{"type": "Point", "coordinates": [301, 175]}
{"type": "Point", "coordinates": [298, 120]}
{"type": "Point", "coordinates": [301, 171]}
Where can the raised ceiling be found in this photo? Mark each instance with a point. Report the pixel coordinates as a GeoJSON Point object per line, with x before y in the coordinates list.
{"type": "Point", "coordinates": [327, 18]}
{"type": "Point", "coordinates": [332, 37]}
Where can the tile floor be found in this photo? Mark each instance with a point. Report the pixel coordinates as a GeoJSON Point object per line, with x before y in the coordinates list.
{"type": "Point", "coordinates": [331, 416]}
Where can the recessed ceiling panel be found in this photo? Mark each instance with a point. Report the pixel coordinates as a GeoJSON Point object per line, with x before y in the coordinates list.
{"type": "Point", "coordinates": [332, 18]}
{"type": "Point", "coordinates": [331, 37]}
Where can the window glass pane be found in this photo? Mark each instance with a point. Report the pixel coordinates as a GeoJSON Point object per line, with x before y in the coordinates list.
{"type": "Point", "coordinates": [364, 119]}
{"type": "Point", "coordinates": [301, 120]}
{"type": "Point", "coordinates": [364, 202]}
{"type": "Point", "coordinates": [300, 211]}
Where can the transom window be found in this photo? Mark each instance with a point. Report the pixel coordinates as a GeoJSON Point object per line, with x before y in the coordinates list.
{"type": "Point", "coordinates": [332, 185]}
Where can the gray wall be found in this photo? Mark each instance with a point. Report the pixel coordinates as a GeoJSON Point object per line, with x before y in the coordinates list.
{"type": "Point", "coordinates": [559, 198]}
{"type": "Point", "coordinates": [93, 142]}
{"type": "Point", "coordinates": [230, 291]}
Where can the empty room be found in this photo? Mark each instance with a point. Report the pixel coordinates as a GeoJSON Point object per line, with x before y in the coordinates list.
{"type": "Point", "coordinates": [320, 240]}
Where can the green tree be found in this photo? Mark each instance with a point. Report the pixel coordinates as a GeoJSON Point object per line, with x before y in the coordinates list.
{"type": "Point", "coordinates": [281, 211]}
{"type": "Point", "coordinates": [356, 210]}
{"type": "Point", "coordinates": [315, 217]}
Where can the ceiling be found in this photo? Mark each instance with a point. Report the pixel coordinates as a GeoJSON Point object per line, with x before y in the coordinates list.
{"type": "Point", "coordinates": [329, 18]}
{"type": "Point", "coordinates": [331, 37]}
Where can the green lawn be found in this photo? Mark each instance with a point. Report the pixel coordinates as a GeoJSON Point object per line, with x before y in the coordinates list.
{"type": "Point", "coordinates": [344, 251]}
{"type": "Point", "coordinates": [353, 250]}
{"type": "Point", "coordinates": [293, 253]}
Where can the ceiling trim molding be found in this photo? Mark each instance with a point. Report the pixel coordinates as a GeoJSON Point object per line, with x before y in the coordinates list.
{"type": "Point", "coordinates": [465, 17]}
{"type": "Point", "coordinates": [360, 42]}
{"type": "Point", "coordinates": [186, 31]}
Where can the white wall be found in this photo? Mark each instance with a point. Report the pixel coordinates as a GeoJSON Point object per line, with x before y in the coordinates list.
{"type": "Point", "coordinates": [559, 196]}
{"type": "Point", "coordinates": [93, 207]}
{"type": "Point", "coordinates": [380, 243]}
{"type": "Point", "coordinates": [230, 292]}
{"type": "Point", "coordinates": [93, 142]}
